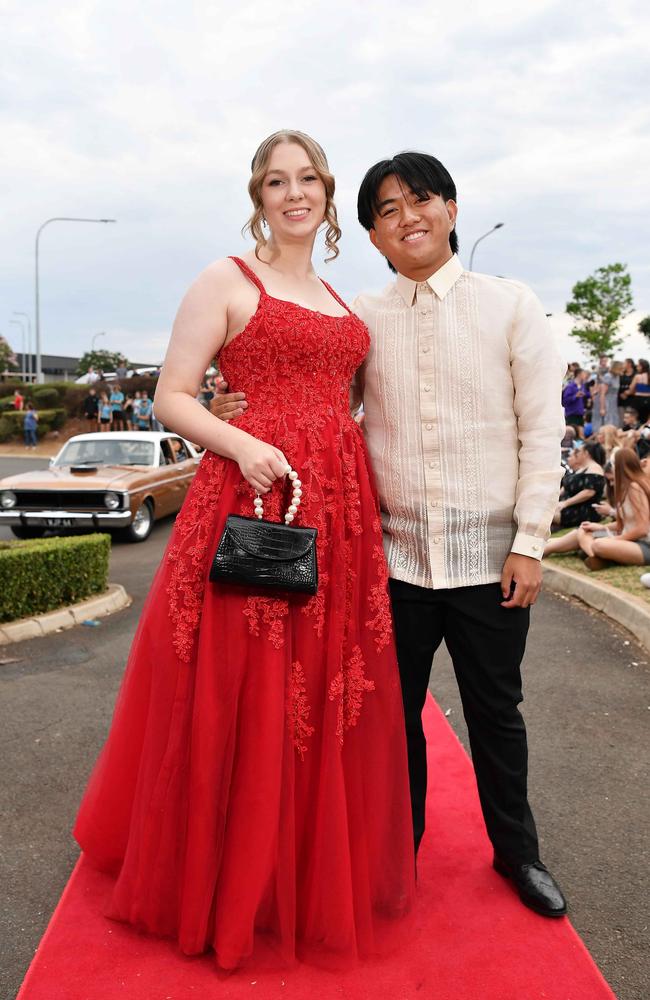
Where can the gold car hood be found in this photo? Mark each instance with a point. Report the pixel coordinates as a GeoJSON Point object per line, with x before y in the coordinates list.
{"type": "Point", "coordinates": [113, 477]}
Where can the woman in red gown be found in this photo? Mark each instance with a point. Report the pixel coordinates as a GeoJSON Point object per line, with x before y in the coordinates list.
{"type": "Point", "coordinates": [254, 784]}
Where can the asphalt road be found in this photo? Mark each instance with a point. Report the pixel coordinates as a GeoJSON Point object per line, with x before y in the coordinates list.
{"type": "Point", "coordinates": [587, 708]}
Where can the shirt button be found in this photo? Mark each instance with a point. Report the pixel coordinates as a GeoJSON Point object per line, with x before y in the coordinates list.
{"type": "Point", "coordinates": [429, 427]}
{"type": "Point", "coordinates": [432, 465]}
{"type": "Point", "coordinates": [427, 388]}
{"type": "Point", "coordinates": [435, 541]}
{"type": "Point", "coordinates": [425, 350]}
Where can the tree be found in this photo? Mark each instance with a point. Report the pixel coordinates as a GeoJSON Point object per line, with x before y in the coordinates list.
{"type": "Point", "coordinates": [8, 360]}
{"type": "Point", "coordinates": [644, 326]}
{"type": "Point", "coordinates": [106, 361]}
{"type": "Point", "coordinates": [599, 304]}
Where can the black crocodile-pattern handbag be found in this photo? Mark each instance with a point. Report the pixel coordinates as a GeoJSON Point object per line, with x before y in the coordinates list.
{"type": "Point", "coordinates": [266, 554]}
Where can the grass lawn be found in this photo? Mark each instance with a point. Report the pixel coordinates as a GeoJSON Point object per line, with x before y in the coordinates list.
{"type": "Point", "coordinates": [624, 577]}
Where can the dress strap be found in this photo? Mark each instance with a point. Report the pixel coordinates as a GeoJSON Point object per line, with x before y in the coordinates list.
{"type": "Point", "coordinates": [250, 273]}
{"type": "Point", "coordinates": [335, 296]}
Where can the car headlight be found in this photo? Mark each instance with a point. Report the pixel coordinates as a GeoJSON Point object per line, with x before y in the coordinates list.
{"type": "Point", "coordinates": [7, 499]}
{"type": "Point", "coordinates": [112, 500]}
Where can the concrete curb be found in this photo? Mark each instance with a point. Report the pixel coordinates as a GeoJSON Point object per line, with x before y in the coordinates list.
{"type": "Point", "coordinates": [626, 609]}
{"type": "Point", "coordinates": [113, 599]}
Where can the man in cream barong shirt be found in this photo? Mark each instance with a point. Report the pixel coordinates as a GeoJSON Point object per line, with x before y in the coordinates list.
{"type": "Point", "coordinates": [462, 398]}
{"type": "Point", "coordinates": [463, 418]}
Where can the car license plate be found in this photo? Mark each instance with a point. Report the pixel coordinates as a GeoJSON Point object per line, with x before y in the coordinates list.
{"type": "Point", "coordinates": [58, 522]}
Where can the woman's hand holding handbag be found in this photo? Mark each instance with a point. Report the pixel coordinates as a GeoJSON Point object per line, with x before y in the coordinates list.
{"type": "Point", "coordinates": [267, 554]}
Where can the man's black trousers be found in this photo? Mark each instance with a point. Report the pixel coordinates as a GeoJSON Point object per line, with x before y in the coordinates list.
{"type": "Point", "coordinates": [486, 643]}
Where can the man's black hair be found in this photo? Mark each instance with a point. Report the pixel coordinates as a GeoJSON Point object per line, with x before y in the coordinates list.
{"type": "Point", "coordinates": [420, 172]}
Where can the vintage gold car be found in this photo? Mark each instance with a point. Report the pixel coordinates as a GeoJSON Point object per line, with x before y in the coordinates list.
{"type": "Point", "coordinates": [113, 481]}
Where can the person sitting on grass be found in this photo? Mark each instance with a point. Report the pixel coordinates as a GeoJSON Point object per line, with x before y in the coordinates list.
{"type": "Point", "coordinates": [568, 441]}
{"type": "Point", "coordinates": [630, 419]}
{"type": "Point", "coordinates": [627, 541]}
{"type": "Point", "coordinates": [581, 487]}
{"type": "Point", "coordinates": [607, 506]}
{"type": "Point", "coordinates": [609, 437]}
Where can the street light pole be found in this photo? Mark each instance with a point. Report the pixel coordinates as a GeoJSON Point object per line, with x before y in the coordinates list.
{"type": "Point", "coordinates": [499, 225]}
{"type": "Point", "coordinates": [57, 218]}
{"type": "Point", "coordinates": [19, 322]}
{"type": "Point", "coordinates": [28, 370]}
{"type": "Point", "coordinates": [95, 336]}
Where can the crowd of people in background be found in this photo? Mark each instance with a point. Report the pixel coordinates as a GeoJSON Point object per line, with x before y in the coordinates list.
{"type": "Point", "coordinates": [117, 411]}
{"type": "Point", "coordinates": [605, 493]}
{"type": "Point", "coordinates": [113, 409]}
{"type": "Point", "coordinates": [615, 394]}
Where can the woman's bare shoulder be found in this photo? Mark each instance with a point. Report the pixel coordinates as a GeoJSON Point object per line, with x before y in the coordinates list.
{"type": "Point", "coordinates": [221, 273]}
{"type": "Point", "coordinates": [214, 285]}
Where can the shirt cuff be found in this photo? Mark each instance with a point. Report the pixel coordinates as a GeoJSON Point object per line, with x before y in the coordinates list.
{"type": "Point", "coordinates": [528, 545]}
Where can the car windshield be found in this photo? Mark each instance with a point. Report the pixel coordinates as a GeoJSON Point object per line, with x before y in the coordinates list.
{"type": "Point", "coordinates": [95, 452]}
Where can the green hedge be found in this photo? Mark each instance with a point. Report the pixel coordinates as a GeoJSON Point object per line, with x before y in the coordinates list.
{"type": "Point", "coordinates": [46, 573]}
{"type": "Point", "coordinates": [11, 423]}
{"type": "Point", "coordinates": [48, 398]}
{"type": "Point", "coordinates": [6, 429]}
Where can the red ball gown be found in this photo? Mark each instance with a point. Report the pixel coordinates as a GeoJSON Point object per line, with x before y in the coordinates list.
{"type": "Point", "coordinates": [254, 784]}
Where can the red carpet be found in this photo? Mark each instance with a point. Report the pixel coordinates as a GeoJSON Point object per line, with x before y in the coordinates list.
{"type": "Point", "coordinates": [474, 940]}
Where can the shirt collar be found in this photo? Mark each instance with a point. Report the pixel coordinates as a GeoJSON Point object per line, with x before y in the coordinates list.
{"type": "Point", "coordinates": [440, 282]}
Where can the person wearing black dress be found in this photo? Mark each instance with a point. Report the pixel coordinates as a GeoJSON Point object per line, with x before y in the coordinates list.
{"type": "Point", "coordinates": [582, 487]}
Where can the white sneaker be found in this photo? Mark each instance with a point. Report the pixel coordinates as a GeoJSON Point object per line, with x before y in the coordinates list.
{"type": "Point", "coordinates": [645, 579]}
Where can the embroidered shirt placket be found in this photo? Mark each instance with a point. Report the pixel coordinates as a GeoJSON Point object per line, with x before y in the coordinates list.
{"type": "Point", "coordinates": [424, 306]}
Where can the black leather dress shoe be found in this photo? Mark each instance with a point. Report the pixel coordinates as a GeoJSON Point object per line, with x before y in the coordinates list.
{"type": "Point", "coordinates": [536, 887]}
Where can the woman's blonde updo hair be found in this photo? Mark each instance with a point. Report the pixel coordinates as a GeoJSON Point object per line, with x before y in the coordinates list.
{"type": "Point", "coordinates": [319, 162]}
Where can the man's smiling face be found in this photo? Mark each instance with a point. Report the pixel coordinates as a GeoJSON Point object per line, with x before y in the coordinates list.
{"type": "Point", "coordinates": [412, 231]}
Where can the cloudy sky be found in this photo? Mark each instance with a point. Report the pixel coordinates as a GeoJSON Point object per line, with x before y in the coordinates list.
{"type": "Point", "coordinates": [149, 113]}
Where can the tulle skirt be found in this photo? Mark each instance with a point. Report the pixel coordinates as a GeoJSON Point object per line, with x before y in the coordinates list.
{"type": "Point", "coordinates": [252, 795]}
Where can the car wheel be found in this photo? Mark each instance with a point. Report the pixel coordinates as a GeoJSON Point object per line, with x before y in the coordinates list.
{"type": "Point", "coordinates": [142, 523]}
{"type": "Point", "coordinates": [21, 532]}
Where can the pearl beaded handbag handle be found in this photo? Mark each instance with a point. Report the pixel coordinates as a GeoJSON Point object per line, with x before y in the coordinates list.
{"type": "Point", "coordinates": [295, 499]}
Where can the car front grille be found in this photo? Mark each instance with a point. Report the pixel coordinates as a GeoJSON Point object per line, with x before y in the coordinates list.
{"type": "Point", "coordinates": [61, 499]}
